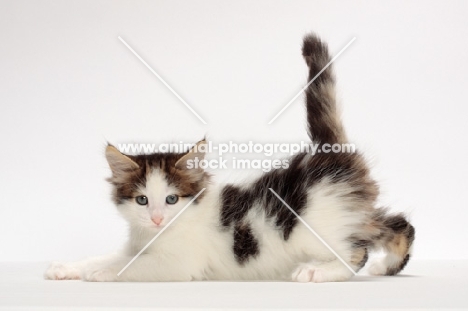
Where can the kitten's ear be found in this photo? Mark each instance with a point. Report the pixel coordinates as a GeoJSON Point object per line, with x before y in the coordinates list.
{"type": "Point", "coordinates": [118, 162]}
{"type": "Point", "coordinates": [197, 151]}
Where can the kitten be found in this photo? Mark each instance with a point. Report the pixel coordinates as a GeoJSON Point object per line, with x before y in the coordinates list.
{"type": "Point", "coordinates": [245, 232]}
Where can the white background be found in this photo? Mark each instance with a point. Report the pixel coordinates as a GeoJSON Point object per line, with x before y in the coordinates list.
{"type": "Point", "coordinates": [68, 85]}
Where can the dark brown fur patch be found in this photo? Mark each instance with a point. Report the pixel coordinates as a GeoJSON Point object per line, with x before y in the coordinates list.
{"type": "Point", "coordinates": [245, 244]}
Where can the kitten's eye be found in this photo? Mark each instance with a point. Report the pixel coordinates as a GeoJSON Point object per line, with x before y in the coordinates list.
{"type": "Point", "coordinates": [142, 200]}
{"type": "Point", "coordinates": [172, 199]}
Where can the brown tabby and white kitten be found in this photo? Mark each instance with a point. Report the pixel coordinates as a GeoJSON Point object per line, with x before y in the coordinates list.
{"type": "Point", "coordinates": [244, 232]}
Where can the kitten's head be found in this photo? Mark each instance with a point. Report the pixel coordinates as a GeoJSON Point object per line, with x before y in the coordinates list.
{"type": "Point", "coordinates": [150, 190]}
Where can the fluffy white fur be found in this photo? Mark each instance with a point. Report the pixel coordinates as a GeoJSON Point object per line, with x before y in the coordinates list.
{"type": "Point", "coordinates": [195, 247]}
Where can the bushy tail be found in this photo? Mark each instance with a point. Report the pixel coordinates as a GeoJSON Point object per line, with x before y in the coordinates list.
{"type": "Point", "coordinates": [324, 124]}
{"type": "Point", "coordinates": [395, 237]}
{"type": "Point", "coordinates": [393, 233]}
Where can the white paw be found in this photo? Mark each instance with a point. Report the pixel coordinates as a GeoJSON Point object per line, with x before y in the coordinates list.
{"type": "Point", "coordinates": [62, 271]}
{"type": "Point", "coordinates": [377, 267]}
{"type": "Point", "coordinates": [100, 275]}
{"type": "Point", "coordinates": [309, 273]}
{"type": "Point", "coordinates": [320, 276]}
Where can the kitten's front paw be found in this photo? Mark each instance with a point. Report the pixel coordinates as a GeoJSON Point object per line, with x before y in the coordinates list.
{"type": "Point", "coordinates": [62, 271]}
{"type": "Point", "coordinates": [100, 275]}
{"type": "Point", "coordinates": [308, 273]}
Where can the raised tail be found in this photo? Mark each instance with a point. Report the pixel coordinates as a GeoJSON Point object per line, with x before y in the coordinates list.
{"type": "Point", "coordinates": [395, 237]}
{"type": "Point", "coordinates": [324, 124]}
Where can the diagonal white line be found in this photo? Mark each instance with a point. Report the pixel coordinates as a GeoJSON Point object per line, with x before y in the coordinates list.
{"type": "Point", "coordinates": [313, 231]}
{"type": "Point", "coordinates": [316, 76]}
{"type": "Point", "coordinates": [162, 80]}
{"type": "Point", "coordinates": [160, 232]}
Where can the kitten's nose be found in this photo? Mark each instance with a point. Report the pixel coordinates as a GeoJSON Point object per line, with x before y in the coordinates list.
{"type": "Point", "coordinates": [157, 219]}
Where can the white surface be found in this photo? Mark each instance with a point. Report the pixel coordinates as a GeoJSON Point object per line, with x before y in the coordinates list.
{"type": "Point", "coordinates": [67, 84]}
{"type": "Point", "coordinates": [424, 284]}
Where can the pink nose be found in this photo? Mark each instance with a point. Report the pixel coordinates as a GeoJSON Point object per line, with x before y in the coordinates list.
{"type": "Point", "coordinates": [157, 219]}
